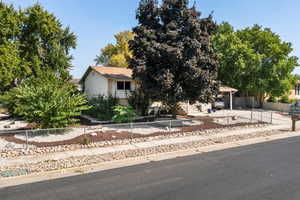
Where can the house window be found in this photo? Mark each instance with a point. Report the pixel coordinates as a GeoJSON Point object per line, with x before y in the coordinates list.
{"type": "Point", "coordinates": [124, 85]}
{"type": "Point", "coordinates": [120, 85]}
{"type": "Point", "coordinates": [297, 90]}
{"type": "Point", "coordinates": [127, 85]}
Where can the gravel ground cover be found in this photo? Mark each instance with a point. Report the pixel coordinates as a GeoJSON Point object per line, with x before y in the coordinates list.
{"type": "Point", "coordinates": [50, 165]}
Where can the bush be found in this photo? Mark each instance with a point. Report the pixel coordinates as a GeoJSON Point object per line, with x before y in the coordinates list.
{"type": "Point", "coordinates": [139, 101]}
{"type": "Point", "coordinates": [284, 99]}
{"type": "Point", "coordinates": [102, 107]}
{"type": "Point", "coordinates": [123, 114]}
{"type": "Point", "coordinates": [293, 100]}
{"type": "Point", "coordinates": [86, 140]}
{"type": "Point", "coordinates": [47, 101]}
{"type": "Point", "coordinates": [272, 99]}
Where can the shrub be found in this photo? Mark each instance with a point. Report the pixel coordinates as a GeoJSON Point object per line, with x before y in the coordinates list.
{"type": "Point", "coordinates": [123, 114]}
{"type": "Point", "coordinates": [139, 101]}
{"type": "Point", "coordinates": [284, 99]}
{"type": "Point", "coordinates": [47, 101]}
{"type": "Point", "coordinates": [293, 100]}
{"type": "Point", "coordinates": [272, 99]}
{"type": "Point", "coordinates": [102, 107]}
{"type": "Point", "coordinates": [86, 140]}
{"type": "Point", "coordinates": [2, 109]}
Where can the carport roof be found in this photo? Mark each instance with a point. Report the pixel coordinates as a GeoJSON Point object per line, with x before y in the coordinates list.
{"type": "Point", "coordinates": [224, 88]}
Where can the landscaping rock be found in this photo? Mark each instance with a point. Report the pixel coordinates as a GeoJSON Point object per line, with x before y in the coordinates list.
{"type": "Point", "coordinates": [80, 161]}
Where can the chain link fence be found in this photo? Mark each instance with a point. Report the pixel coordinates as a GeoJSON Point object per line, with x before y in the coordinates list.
{"type": "Point", "coordinates": [26, 139]}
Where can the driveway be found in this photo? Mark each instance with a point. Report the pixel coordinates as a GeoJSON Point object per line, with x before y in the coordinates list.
{"type": "Point", "coordinates": [278, 118]}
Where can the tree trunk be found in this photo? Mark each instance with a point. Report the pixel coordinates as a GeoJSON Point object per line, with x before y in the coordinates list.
{"type": "Point", "coordinates": [261, 98]}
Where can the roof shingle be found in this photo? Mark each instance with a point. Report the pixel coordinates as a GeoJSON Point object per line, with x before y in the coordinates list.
{"type": "Point", "coordinates": [114, 72]}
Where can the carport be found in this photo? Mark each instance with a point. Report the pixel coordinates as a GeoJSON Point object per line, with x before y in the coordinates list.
{"type": "Point", "coordinates": [228, 90]}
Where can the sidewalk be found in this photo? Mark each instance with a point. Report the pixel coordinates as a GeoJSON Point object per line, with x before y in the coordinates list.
{"type": "Point", "coordinates": [7, 162]}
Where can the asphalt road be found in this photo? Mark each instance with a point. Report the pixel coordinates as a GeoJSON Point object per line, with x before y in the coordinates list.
{"type": "Point", "coordinates": [262, 171]}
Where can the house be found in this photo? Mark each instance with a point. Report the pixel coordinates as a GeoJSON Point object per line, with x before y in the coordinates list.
{"type": "Point", "coordinates": [118, 82]}
{"type": "Point", "coordinates": [102, 80]}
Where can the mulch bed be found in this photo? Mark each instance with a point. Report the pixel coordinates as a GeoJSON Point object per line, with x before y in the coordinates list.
{"type": "Point", "coordinates": [114, 135]}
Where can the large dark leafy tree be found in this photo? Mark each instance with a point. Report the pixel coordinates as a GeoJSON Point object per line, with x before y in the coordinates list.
{"type": "Point", "coordinates": [32, 41]}
{"type": "Point", "coordinates": [173, 57]}
{"type": "Point", "coordinates": [255, 60]}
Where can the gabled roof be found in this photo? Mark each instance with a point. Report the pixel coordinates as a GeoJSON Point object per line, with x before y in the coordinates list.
{"type": "Point", "coordinates": [115, 73]}
{"type": "Point", "coordinates": [75, 80]}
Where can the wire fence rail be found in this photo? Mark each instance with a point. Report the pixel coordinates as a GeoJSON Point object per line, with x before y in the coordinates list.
{"type": "Point", "coordinates": [26, 139]}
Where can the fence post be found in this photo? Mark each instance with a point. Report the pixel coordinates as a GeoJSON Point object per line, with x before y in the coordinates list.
{"type": "Point", "coordinates": [271, 117]}
{"type": "Point", "coordinates": [261, 116]}
{"type": "Point", "coordinates": [251, 118]}
{"type": "Point", "coordinates": [227, 120]}
{"type": "Point", "coordinates": [131, 130]}
{"type": "Point", "coordinates": [26, 133]}
{"type": "Point", "coordinates": [170, 125]}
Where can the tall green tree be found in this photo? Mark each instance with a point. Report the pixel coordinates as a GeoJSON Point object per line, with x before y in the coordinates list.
{"type": "Point", "coordinates": [32, 40]}
{"type": "Point", "coordinates": [172, 54]}
{"type": "Point", "coordinates": [116, 54]}
{"type": "Point", "coordinates": [255, 61]}
{"type": "Point", "coordinates": [12, 66]}
{"type": "Point", "coordinates": [46, 44]}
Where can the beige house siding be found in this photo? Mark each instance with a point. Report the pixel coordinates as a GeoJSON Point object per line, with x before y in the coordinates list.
{"type": "Point", "coordinates": [123, 102]}
{"type": "Point", "coordinates": [109, 88]}
{"type": "Point", "coordinates": [95, 85]}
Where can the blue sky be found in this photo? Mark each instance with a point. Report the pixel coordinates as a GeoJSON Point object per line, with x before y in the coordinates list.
{"type": "Point", "coordinates": [96, 21]}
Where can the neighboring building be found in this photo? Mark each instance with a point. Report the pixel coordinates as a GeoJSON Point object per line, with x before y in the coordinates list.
{"type": "Point", "coordinates": [76, 81]}
{"type": "Point", "coordinates": [115, 81]}
{"type": "Point", "coordinates": [295, 93]}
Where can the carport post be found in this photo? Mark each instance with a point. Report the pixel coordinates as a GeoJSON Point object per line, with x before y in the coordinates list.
{"type": "Point", "coordinates": [230, 94]}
